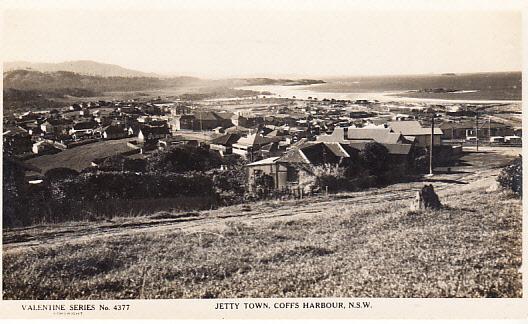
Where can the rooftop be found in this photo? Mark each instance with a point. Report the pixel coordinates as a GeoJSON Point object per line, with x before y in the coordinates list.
{"type": "Point", "coordinates": [412, 127]}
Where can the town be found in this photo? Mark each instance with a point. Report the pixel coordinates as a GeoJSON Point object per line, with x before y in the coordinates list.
{"type": "Point", "coordinates": [272, 135]}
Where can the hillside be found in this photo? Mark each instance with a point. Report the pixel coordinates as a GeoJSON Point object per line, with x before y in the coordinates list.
{"type": "Point", "coordinates": [81, 67]}
{"type": "Point", "coordinates": [362, 244]}
{"type": "Point", "coordinates": [25, 89]}
{"type": "Point", "coordinates": [34, 80]}
{"type": "Point", "coordinates": [294, 250]}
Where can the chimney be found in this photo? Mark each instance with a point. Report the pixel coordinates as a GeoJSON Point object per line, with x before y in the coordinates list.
{"type": "Point", "coordinates": [345, 133]}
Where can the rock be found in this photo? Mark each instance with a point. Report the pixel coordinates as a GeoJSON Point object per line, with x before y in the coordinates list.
{"type": "Point", "coordinates": [426, 198]}
{"type": "Point", "coordinates": [494, 187]}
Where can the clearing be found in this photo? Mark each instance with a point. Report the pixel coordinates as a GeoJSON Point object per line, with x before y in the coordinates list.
{"type": "Point", "coordinates": [80, 157]}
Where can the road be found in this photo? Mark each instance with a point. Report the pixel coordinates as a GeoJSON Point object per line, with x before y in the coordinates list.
{"type": "Point", "coordinates": [477, 170]}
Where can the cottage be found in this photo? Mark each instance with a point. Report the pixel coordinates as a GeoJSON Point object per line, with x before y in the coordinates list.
{"type": "Point", "coordinates": [44, 147]}
{"type": "Point", "coordinates": [246, 121]}
{"type": "Point", "coordinates": [84, 130]}
{"type": "Point", "coordinates": [224, 143]}
{"type": "Point", "coordinates": [413, 130]}
{"type": "Point", "coordinates": [350, 135]}
{"type": "Point", "coordinates": [297, 164]}
{"type": "Point", "coordinates": [148, 133]}
{"type": "Point", "coordinates": [56, 126]}
{"type": "Point", "coordinates": [201, 120]}
{"type": "Point", "coordinates": [250, 145]}
{"type": "Point", "coordinates": [114, 132]}
{"type": "Point", "coordinates": [467, 129]}
{"type": "Point", "coordinates": [292, 167]}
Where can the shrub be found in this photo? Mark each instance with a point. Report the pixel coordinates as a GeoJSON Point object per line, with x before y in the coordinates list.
{"type": "Point", "coordinates": [58, 174]}
{"type": "Point", "coordinates": [229, 185]}
{"type": "Point", "coordinates": [183, 158]}
{"type": "Point", "coordinates": [112, 192]}
{"type": "Point", "coordinates": [510, 176]}
{"type": "Point", "coordinates": [122, 163]}
{"type": "Point", "coordinates": [13, 189]}
{"type": "Point", "coordinates": [375, 157]}
{"type": "Point", "coordinates": [332, 177]}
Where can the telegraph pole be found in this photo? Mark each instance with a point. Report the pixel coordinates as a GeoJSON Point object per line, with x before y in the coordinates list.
{"type": "Point", "coordinates": [489, 128]}
{"type": "Point", "coordinates": [476, 128]}
{"type": "Point", "coordinates": [431, 145]}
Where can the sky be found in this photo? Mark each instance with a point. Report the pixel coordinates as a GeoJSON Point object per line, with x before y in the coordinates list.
{"type": "Point", "coordinates": [229, 40]}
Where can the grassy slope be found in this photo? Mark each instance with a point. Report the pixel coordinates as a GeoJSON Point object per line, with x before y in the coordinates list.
{"type": "Point", "coordinates": [80, 157]}
{"type": "Point", "coordinates": [472, 248]}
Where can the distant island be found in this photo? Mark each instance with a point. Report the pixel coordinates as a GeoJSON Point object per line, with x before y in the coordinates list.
{"type": "Point", "coordinates": [435, 90]}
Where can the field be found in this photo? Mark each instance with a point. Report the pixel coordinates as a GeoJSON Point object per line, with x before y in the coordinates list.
{"type": "Point", "coordinates": [80, 157]}
{"type": "Point", "coordinates": [363, 244]}
{"type": "Point", "coordinates": [489, 86]}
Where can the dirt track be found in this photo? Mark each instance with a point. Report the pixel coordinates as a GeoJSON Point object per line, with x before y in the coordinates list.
{"type": "Point", "coordinates": [478, 170]}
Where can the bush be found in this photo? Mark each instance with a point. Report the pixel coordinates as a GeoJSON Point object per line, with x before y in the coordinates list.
{"type": "Point", "coordinates": [58, 174]}
{"type": "Point", "coordinates": [375, 157]}
{"type": "Point", "coordinates": [113, 193]}
{"type": "Point", "coordinates": [331, 177]}
{"type": "Point", "coordinates": [510, 177]}
{"type": "Point", "coordinates": [13, 190]}
{"type": "Point", "coordinates": [183, 158]}
{"type": "Point", "coordinates": [229, 185]}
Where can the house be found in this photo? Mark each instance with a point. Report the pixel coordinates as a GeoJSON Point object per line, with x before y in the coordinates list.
{"type": "Point", "coordinates": [247, 121]}
{"type": "Point", "coordinates": [75, 107]}
{"type": "Point", "coordinates": [467, 129]}
{"type": "Point", "coordinates": [297, 164]}
{"type": "Point", "coordinates": [224, 143]}
{"type": "Point", "coordinates": [513, 140]}
{"type": "Point", "coordinates": [201, 120]}
{"type": "Point", "coordinates": [361, 114]}
{"type": "Point", "coordinates": [114, 132]}
{"type": "Point", "coordinates": [85, 129]}
{"type": "Point", "coordinates": [240, 130]}
{"type": "Point", "coordinates": [44, 147]}
{"type": "Point", "coordinates": [148, 133]}
{"type": "Point", "coordinates": [413, 130]}
{"type": "Point", "coordinates": [180, 109]}
{"type": "Point", "coordinates": [272, 149]}
{"type": "Point", "coordinates": [292, 167]}
{"type": "Point", "coordinates": [56, 126]}
{"type": "Point", "coordinates": [350, 135]}
{"type": "Point", "coordinates": [250, 145]}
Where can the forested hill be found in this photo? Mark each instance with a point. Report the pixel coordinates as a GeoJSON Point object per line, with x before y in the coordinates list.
{"type": "Point", "coordinates": [29, 89]}
{"type": "Point", "coordinates": [85, 67]}
{"type": "Point", "coordinates": [34, 80]}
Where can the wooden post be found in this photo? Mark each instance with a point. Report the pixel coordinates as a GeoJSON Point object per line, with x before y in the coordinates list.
{"type": "Point", "coordinates": [476, 128]}
{"type": "Point", "coordinates": [431, 145]}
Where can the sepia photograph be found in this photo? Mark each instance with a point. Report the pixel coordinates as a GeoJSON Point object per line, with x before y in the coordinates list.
{"type": "Point", "coordinates": [235, 150]}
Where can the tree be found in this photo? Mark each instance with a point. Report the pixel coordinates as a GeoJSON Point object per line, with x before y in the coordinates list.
{"type": "Point", "coordinates": [510, 177]}
{"type": "Point", "coordinates": [375, 157]}
{"type": "Point", "coordinates": [58, 174]}
{"type": "Point", "coordinates": [122, 163]}
{"type": "Point", "coordinates": [183, 158]}
{"type": "Point", "coordinates": [13, 192]}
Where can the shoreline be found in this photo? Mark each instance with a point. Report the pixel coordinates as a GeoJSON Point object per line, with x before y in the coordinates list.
{"type": "Point", "coordinates": [306, 93]}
